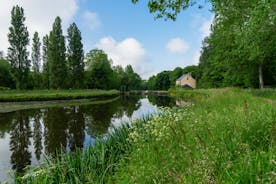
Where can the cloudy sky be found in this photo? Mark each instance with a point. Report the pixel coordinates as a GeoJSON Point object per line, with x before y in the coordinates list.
{"type": "Point", "coordinates": [128, 33]}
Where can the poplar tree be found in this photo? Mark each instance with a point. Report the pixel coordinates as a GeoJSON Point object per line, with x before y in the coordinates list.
{"type": "Point", "coordinates": [36, 58]}
{"type": "Point", "coordinates": [75, 57]}
{"type": "Point", "coordinates": [18, 37]}
{"type": "Point", "coordinates": [46, 67]}
{"type": "Point", "coordinates": [57, 57]}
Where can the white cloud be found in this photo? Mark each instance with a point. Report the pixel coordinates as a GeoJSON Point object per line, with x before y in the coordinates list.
{"type": "Point", "coordinates": [177, 45]}
{"type": "Point", "coordinates": [91, 20]}
{"type": "Point", "coordinates": [205, 28]}
{"type": "Point", "coordinates": [125, 52]}
{"type": "Point", "coordinates": [196, 57]}
{"type": "Point", "coordinates": [202, 24]}
{"type": "Point", "coordinates": [40, 15]}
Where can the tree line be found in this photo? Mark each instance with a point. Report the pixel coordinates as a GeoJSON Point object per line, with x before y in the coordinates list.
{"type": "Point", "coordinates": [65, 66]}
{"type": "Point", "coordinates": [241, 49]}
{"type": "Point", "coordinates": [167, 79]}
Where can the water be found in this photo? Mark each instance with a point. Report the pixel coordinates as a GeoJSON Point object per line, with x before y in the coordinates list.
{"type": "Point", "coordinates": [27, 135]}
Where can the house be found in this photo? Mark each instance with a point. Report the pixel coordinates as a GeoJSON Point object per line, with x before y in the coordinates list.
{"type": "Point", "coordinates": [186, 81]}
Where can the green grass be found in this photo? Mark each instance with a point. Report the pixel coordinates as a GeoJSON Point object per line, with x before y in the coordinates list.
{"type": "Point", "coordinates": [15, 106]}
{"type": "Point", "coordinates": [46, 95]}
{"type": "Point", "coordinates": [265, 93]}
{"type": "Point", "coordinates": [227, 136]}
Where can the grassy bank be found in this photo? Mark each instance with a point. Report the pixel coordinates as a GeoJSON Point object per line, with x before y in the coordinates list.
{"type": "Point", "coordinates": [47, 95]}
{"type": "Point", "coordinates": [15, 106]}
{"type": "Point", "coordinates": [227, 136]}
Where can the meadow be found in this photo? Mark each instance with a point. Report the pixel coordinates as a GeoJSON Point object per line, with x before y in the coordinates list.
{"type": "Point", "coordinates": [225, 136]}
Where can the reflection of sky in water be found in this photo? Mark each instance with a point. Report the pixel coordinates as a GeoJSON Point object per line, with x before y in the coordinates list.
{"type": "Point", "coordinates": [145, 109]}
{"type": "Point", "coordinates": [5, 153]}
{"type": "Point", "coordinates": [65, 125]}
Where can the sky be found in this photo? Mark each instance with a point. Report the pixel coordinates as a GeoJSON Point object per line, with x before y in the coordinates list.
{"type": "Point", "coordinates": [128, 33]}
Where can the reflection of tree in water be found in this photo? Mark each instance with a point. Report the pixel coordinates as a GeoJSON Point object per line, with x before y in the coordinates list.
{"type": "Point", "coordinates": [76, 126]}
{"type": "Point", "coordinates": [5, 123]}
{"type": "Point", "coordinates": [20, 141]}
{"type": "Point", "coordinates": [55, 133]}
{"type": "Point", "coordinates": [162, 101]}
{"type": "Point", "coordinates": [130, 104]}
{"type": "Point", "coordinates": [100, 116]}
{"type": "Point", "coordinates": [37, 135]}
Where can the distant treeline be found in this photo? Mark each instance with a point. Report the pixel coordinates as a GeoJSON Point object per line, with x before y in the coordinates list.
{"type": "Point", "coordinates": [64, 66]}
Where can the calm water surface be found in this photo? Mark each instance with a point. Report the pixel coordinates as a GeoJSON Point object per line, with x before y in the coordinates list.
{"type": "Point", "coordinates": [27, 135]}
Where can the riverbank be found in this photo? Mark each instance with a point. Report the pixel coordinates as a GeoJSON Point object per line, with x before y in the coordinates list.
{"type": "Point", "coordinates": [227, 136]}
{"type": "Point", "coordinates": [15, 106]}
{"type": "Point", "coordinates": [48, 95]}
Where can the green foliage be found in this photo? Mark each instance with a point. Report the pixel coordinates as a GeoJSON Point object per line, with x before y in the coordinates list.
{"type": "Point", "coordinates": [36, 56]}
{"type": "Point", "coordinates": [46, 67]}
{"type": "Point", "coordinates": [75, 55]}
{"type": "Point", "coordinates": [131, 80]}
{"type": "Point", "coordinates": [17, 52]}
{"type": "Point", "coordinates": [6, 79]}
{"type": "Point", "coordinates": [166, 79]}
{"type": "Point", "coordinates": [57, 58]}
{"type": "Point", "coordinates": [36, 59]}
{"type": "Point", "coordinates": [241, 46]}
{"type": "Point", "coordinates": [162, 81]}
{"type": "Point", "coordinates": [168, 9]}
{"type": "Point", "coordinates": [99, 68]}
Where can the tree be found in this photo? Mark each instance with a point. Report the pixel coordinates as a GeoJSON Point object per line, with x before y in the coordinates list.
{"type": "Point", "coordinates": [6, 79]}
{"type": "Point", "coordinates": [36, 58]}
{"type": "Point", "coordinates": [45, 58]}
{"type": "Point", "coordinates": [163, 81]}
{"type": "Point", "coordinates": [17, 52]}
{"type": "Point", "coordinates": [99, 68]}
{"type": "Point", "coordinates": [131, 80]}
{"type": "Point", "coordinates": [57, 57]}
{"type": "Point", "coordinates": [75, 56]}
{"type": "Point", "coordinates": [168, 9]}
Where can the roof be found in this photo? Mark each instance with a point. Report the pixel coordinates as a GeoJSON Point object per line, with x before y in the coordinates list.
{"type": "Point", "coordinates": [183, 76]}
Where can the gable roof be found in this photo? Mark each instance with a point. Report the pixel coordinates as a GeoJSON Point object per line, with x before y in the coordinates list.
{"type": "Point", "coordinates": [183, 76]}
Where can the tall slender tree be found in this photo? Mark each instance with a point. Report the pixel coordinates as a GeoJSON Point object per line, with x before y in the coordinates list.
{"type": "Point", "coordinates": [17, 52]}
{"type": "Point", "coordinates": [36, 59]}
{"type": "Point", "coordinates": [75, 57]}
{"type": "Point", "coordinates": [46, 67]}
{"type": "Point", "coordinates": [36, 56]}
{"type": "Point", "coordinates": [57, 57]}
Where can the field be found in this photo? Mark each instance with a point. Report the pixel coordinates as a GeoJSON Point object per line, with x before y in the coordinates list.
{"type": "Point", "coordinates": [226, 136]}
{"type": "Point", "coordinates": [47, 95]}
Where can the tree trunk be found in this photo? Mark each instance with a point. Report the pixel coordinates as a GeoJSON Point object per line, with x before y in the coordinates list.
{"type": "Point", "coordinates": [261, 81]}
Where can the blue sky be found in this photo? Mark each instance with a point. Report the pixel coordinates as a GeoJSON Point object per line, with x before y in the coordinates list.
{"type": "Point", "coordinates": [128, 33]}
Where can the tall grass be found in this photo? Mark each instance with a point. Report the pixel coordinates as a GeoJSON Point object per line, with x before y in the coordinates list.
{"type": "Point", "coordinates": [227, 138]}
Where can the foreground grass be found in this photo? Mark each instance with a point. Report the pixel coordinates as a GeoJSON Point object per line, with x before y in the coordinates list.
{"type": "Point", "coordinates": [46, 95]}
{"type": "Point", "coordinates": [227, 136]}
{"type": "Point", "coordinates": [95, 164]}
